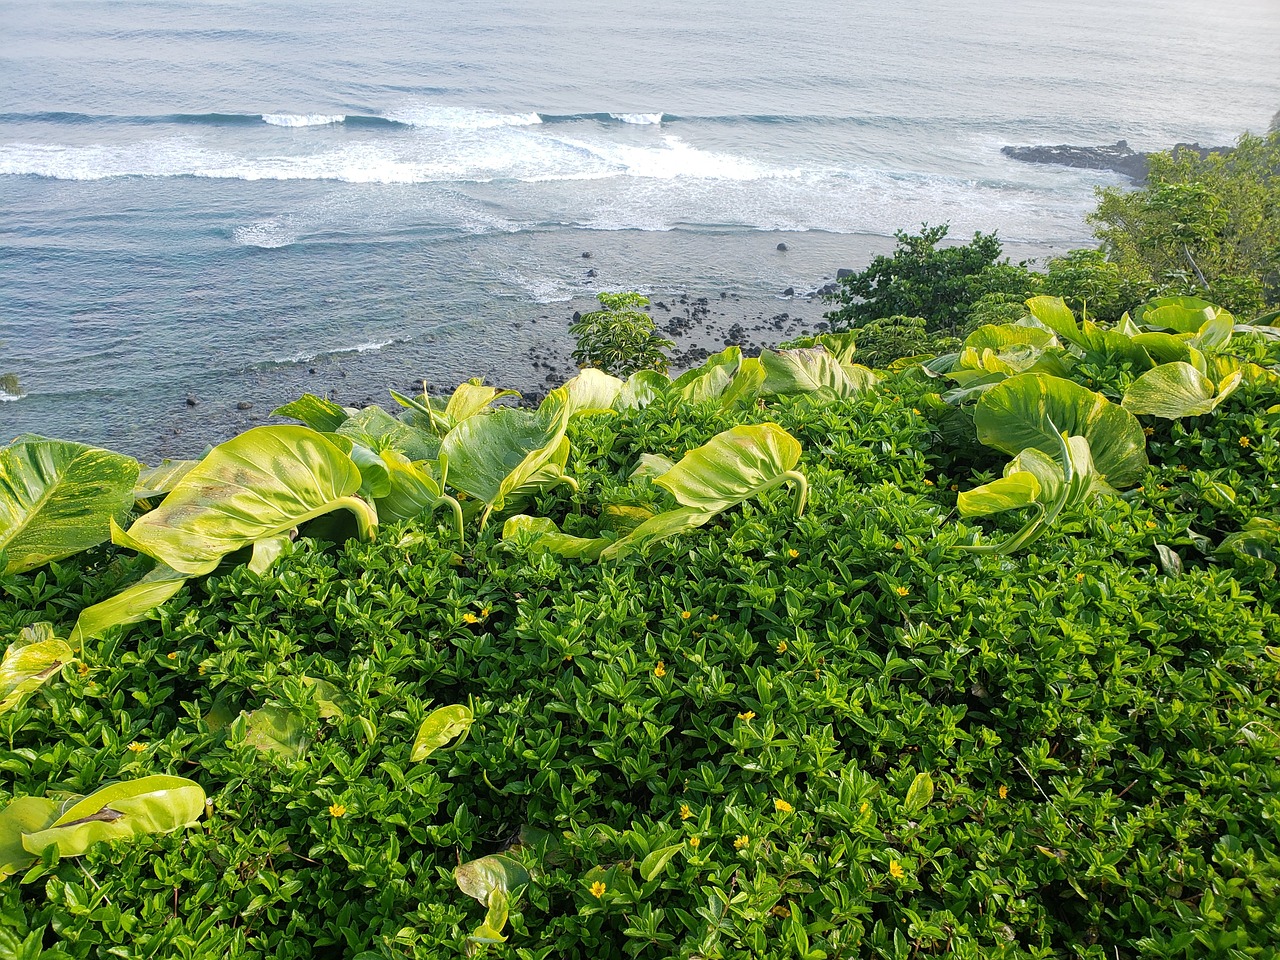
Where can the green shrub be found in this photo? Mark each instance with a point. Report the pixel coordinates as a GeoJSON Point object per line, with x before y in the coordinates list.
{"type": "Point", "coordinates": [619, 338]}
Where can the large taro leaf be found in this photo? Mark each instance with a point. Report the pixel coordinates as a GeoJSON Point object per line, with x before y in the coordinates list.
{"type": "Point", "coordinates": [260, 484]}
{"type": "Point", "coordinates": [812, 370]}
{"type": "Point", "coordinates": [157, 481]}
{"type": "Point", "coordinates": [659, 527]}
{"type": "Point", "coordinates": [472, 398]}
{"type": "Point", "coordinates": [316, 412]}
{"type": "Point", "coordinates": [999, 336]}
{"type": "Point", "coordinates": [22, 816]}
{"type": "Point", "coordinates": [1015, 490]}
{"type": "Point", "coordinates": [1208, 326]}
{"type": "Point", "coordinates": [709, 380]}
{"type": "Point", "coordinates": [129, 605]}
{"type": "Point", "coordinates": [58, 498]}
{"type": "Point", "coordinates": [732, 466]}
{"type": "Point", "coordinates": [1175, 390]}
{"type": "Point", "coordinates": [592, 391]}
{"type": "Point", "coordinates": [441, 726]}
{"type": "Point", "coordinates": [641, 389]}
{"type": "Point", "coordinates": [135, 808]}
{"type": "Point", "coordinates": [1031, 409]}
{"type": "Point", "coordinates": [542, 534]}
{"type": "Point", "coordinates": [414, 491]}
{"type": "Point", "coordinates": [746, 384]}
{"type": "Point", "coordinates": [491, 457]}
{"type": "Point", "coordinates": [378, 430]}
{"type": "Point", "coordinates": [29, 662]}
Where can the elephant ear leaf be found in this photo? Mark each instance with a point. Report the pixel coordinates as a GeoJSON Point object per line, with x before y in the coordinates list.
{"type": "Point", "coordinates": [732, 466]}
{"type": "Point", "coordinates": [129, 605]}
{"type": "Point", "coordinates": [1175, 390]}
{"type": "Point", "coordinates": [58, 498]}
{"type": "Point", "coordinates": [316, 412]}
{"type": "Point", "coordinates": [135, 808]}
{"type": "Point", "coordinates": [472, 398]}
{"type": "Point", "coordinates": [641, 389]}
{"type": "Point", "coordinates": [812, 370]}
{"type": "Point", "coordinates": [29, 663]}
{"type": "Point", "coordinates": [711, 379]}
{"type": "Point", "coordinates": [22, 816]}
{"type": "Point", "coordinates": [592, 391]}
{"type": "Point", "coordinates": [258, 485]}
{"type": "Point", "coordinates": [441, 726]}
{"type": "Point", "coordinates": [1030, 409]}
{"type": "Point", "coordinates": [157, 481]}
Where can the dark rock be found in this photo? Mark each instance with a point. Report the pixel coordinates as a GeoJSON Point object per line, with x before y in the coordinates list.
{"type": "Point", "coordinates": [789, 292]}
{"type": "Point", "coordinates": [591, 272]}
{"type": "Point", "coordinates": [192, 400]}
{"type": "Point", "coordinates": [586, 256]}
{"type": "Point", "coordinates": [577, 315]}
{"type": "Point", "coordinates": [783, 247]}
{"type": "Point", "coordinates": [312, 370]}
{"type": "Point", "coordinates": [244, 405]}
{"type": "Point", "coordinates": [843, 272]}
{"type": "Point", "coordinates": [1118, 157]}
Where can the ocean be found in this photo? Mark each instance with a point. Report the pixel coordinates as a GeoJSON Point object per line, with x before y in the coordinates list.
{"type": "Point", "coordinates": [205, 205]}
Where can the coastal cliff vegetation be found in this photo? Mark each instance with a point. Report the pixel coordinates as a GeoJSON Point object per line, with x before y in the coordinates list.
{"type": "Point", "coordinates": [950, 632]}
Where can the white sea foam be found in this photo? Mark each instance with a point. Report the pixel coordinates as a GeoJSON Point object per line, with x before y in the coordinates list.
{"type": "Point", "coordinates": [5, 397]}
{"type": "Point", "coordinates": [267, 234]}
{"type": "Point", "coordinates": [302, 119]}
{"type": "Point", "coordinates": [541, 289]}
{"type": "Point", "coordinates": [459, 118]}
{"type": "Point", "coordinates": [642, 119]}
{"type": "Point", "coordinates": [366, 347]}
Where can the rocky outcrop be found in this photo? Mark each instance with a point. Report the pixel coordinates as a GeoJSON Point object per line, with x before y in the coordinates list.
{"type": "Point", "coordinates": [1118, 157]}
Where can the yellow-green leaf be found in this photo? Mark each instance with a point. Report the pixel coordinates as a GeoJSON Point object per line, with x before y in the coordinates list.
{"type": "Point", "coordinates": [439, 728]}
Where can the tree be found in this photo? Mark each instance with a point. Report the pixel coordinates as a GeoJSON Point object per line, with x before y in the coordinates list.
{"type": "Point", "coordinates": [921, 279]}
{"type": "Point", "coordinates": [1207, 225]}
{"type": "Point", "coordinates": [619, 338]}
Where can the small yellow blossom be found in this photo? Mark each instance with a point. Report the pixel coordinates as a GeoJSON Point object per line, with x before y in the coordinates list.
{"type": "Point", "coordinates": [695, 842]}
{"type": "Point", "coordinates": [1246, 442]}
{"type": "Point", "coordinates": [1079, 578]}
{"type": "Point", "coordinates": [83, 669]}
{"type": "Point", "coordinates": [137, 747]}
{"type": "Point", "coordinates": [896, 871]}
{"type": "Point", "coordinates": [1003, 791]}
{"type": "Point", "coordinates": [928, 482]}
{"type": "Point", "coordinates": [470, 617]}
{"type": "Point", "coordinates": [915, 411]}
{"type": "Point", "coordinates": [597, 889]}
{"type": "Point", "coordinates": [793, 553]}
{"type": "Point", "coordinates": [901, 591]}
{"type": "Point", "coordinates": [337, 809]}
{"type": "Point", "coordinates": [685, 614]}
{"type": "Point", "coordinates": [201, 669]}
{"type": "Point", "coordinates": [954, 487]}
{"type": "Point", "coordinates": [741, 842]}
{"type": "Point", "coordinates": [1148, 430]}
{"type": "Point", "coordinates": [897, 545]}
{"type": "Point", "coordinates": [782, 806]}
{"type": "Point", "coordinates": [685, 812]}
{"type": "Point", "coordinates": [174, 655]}
{"type": "Point", "coordinates": [660, 670]}
{"type": "Point", "coordinates": [782, 646]}
{"type": "Point", "coordinates": [747, 715]}
{"type": "Point", "coordinates": [1151, 524]}
{"type": "Point", "coordinates": [484, 612]}
{"type": "Point", "coordinates": [864, 807]}
{"type": "Point", "coordinates": [568, 657]}
{"type": "Point", "coordinates": [713, 618]}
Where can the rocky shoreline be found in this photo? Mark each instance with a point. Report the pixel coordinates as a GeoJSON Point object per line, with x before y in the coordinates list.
{"type": "Point", "coordinates": [1118, 157]}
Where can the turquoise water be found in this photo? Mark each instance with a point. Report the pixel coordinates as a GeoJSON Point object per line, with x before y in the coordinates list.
{"type": "Point", "coordinates": [214, 199]}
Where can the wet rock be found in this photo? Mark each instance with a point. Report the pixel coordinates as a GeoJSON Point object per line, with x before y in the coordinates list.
{"type": "Point", "coordinates": [789, 292]}
{"type": "Point", "coordinates": [843, 272]}
{"type": "Point", "coordinates": [244, 405]}
{"type": "Point", "coordinates": [586, 255]}
{"type": "Point", "coordinates": [591, 272]}
{"type": "Point", "coordinates": [193, 400]}
{"type": "Point", "coordinates": [783, 247]}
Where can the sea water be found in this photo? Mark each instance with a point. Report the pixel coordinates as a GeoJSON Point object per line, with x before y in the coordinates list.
{"type": "Point", "coordinates": [211, 200]}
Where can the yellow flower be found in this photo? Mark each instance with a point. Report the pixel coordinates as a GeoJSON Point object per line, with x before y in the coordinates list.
{"type": "Point", "coordinates": [1245, 442]}
{"type": "Point", "coordinates": [83, 669]}
{"type": "Point", "coordinates": [782, 646]}
{"type": "Point", "coordinates": [793, 553]}
{"type": "Point", "coordinates": [713, 618]}
{"type": "Point", "coordinates": [1003, 791]}
{"type": "Point", "coordinates": [1079, 578]}
{"type": "Point", "coordinates": [695, 842]}
{"type": "Point", "coordinates": [174, 655]}
{"type": "Point", "coordinates": [1148, 430]}
{"type": "Point", "coordinates": [901, 591]}
{"type": "Point", "coordinates": [568, 656]}
{"type": "Point", "coordinates": [915, 411]}
{"type": "Point", "coordinates": [337, 809]}
{"type": "Point", "coordinates": [741, 842]}
{"type": "Point", "coordinates": [470, 617]}
{"type": "Point", "coordinates": [685, 614]}
{"type": "Point", "coordinates": [597, 889]}
{"type": "Point", "coordinates": [864, 807]}
{"type": "Point", "coordinates": [782, 806]}
{"type": "Point", "coordinates": [661, 669]}
{"type": "Point", "coordinates": [747, 715]}
{"type": "Point", "coordinates": [1151, 524]}
{"type": "Point", "coordinates": [685, 812]}
{"type": "Point", "coordinates": [928, 482]}
{"type": "Point", "coordinates": [954, 486]}
{"type": "Point", "coordinates": [201, 669]}
{"type": "Point", "coordinates": [896, 871]}
{"type": "Point", "coordinates": [484, 612]}
{"type": "Point", "coordinates": [897, 545]}
{"type": "Point", "coordinates": [137, 747]}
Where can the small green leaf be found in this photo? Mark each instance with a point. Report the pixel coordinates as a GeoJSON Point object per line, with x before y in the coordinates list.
{"type": "Point", "coordinates": [656, 861]}
{"type": "Point", "coordinates": [439, 728]}
{"type": "Point", "coordinates": [918, 794]}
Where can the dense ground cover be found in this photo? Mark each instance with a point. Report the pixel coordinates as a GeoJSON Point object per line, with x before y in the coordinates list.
{"type": "Point", "coordinates": [840, 734]}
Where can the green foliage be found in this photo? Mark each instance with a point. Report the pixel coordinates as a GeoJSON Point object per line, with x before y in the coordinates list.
{"type": "Point", "coordinates": [1208, 226]}
{"type": "Point", "coordinates": [921, 279]}
{"type": "Point", "coordinates": [619, 338]}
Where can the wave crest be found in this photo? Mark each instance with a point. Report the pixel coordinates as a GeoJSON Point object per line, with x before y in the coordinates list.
{"type": "Point", "coordinates": [303, 119]}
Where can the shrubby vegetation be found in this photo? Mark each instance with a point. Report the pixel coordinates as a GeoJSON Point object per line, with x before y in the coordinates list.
{"type": "Point", "coordinates": [972, 655]}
